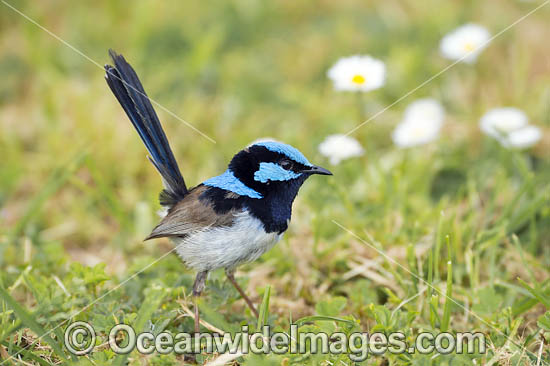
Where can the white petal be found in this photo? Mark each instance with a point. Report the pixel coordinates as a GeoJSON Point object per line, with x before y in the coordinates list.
{"type": "Point", "coordinates": [371, 70]}
{"type": "Point", "coordinates": [524, 137]}
{"type": "Point", "coordinates": [340, 147]}
{"type": "Point", "coordinates": [409, 134]}
{"type": "Point", "coordinates": [499, 122]}
{"type": "Point", "coordinates": [428, 110]}
{"type": "Point", "coordinates": [465, 43]}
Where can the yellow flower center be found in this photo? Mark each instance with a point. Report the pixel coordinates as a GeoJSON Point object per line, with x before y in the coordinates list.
{"type": "Point", "coordinates": [358, 79]}
{"type": "Point", "coordinates": [469, 46]}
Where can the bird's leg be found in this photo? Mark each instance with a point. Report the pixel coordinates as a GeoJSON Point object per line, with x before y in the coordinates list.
{"type": "Point", "coordinates": [230, 273]}
{"type": "Point", "coordinates": [198, 287]}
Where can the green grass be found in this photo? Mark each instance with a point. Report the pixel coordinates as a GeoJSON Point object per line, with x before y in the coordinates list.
{"type": "Point", "coordinates": [464, 224]}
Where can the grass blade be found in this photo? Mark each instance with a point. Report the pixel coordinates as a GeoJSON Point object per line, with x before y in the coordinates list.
{"type": "Point", "coordinates": [28, 354]}
{"type": "Point", "coordinates": [447, 307]}
{"type": "Point", "coordinates": [438, 244]}
{"type": "Point", "coordinates": [27, 319]}
{"type": "Point", "coordinates": [538, 294]}
{"type": "Point", "coordinates": [434, 306]}
{"type": "Point", "coordinates": [264, 309]}
{"type": "Point", "coordinates": [314, 318]}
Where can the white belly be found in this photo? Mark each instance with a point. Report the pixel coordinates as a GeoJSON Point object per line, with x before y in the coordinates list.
{"type": "Point", "coordinates": [226, 247]}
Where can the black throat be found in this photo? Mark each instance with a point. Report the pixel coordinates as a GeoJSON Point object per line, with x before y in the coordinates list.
{"type": "Point", "coordinates": [274, 210]}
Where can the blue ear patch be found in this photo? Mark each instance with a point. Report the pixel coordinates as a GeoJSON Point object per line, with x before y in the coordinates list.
{"type": "Point", "coordinates": [272, 171]}
{"type": "Point", "coordinates": [229, 182]}
{"type": "Point", "coordinates": [292, 152]}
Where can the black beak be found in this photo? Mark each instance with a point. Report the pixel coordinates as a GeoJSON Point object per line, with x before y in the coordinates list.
{"type": "Point", "coordinates": [317, 170]}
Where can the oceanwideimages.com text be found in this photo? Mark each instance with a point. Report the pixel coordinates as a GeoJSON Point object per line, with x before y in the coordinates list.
{"type": "Point", "coordinates": [80, 339]}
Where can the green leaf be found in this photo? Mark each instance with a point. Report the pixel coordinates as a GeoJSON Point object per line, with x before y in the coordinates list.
{"type": "Point", "coordinates": [332, 306]}
{"type": "Point", "coordinates": [361, 293]}
{"type": "Point", "coordinates": [27, 319]}
{"type": "Point", "coordinates": [153, 299]}
{"type": "Point", "coordinates": [489, 302]}
{"type": "Point", "coordinates": [91, 276]}
{"type": "Point", "coordinates": [538, 294]}
{"type": "Point", "coordinates": [544, 321]}
{"type": "Point", "coordinates": [382, 315]}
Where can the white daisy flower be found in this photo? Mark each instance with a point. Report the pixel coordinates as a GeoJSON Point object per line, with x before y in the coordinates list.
{"type": "Point", "coordinates": [499, 122]}
{"type": "Point", "coordinates": [524, 137]}
{"type": "Point", "coordinates": [340, 147]}
{"type": "Point", "coordinates": [421, 123]}
{"type": "Point", "coordinates": [465, 43]}
{"type": "Point", "coordinates": [510, 127]}
{"type": "Point", "coordinates": [357, 73]}
{"type": "Point", "coordinates": [427, 109]}
{"type": "Point", "coordinates": [409, 134]}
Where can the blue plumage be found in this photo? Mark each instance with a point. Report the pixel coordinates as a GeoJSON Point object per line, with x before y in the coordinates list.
{"type": "Point", "coordinates": [125, 85]}
{"type": "Point", "coordinates": [229, 182]}
{"type": "Point", "coordinates": [273, 172]}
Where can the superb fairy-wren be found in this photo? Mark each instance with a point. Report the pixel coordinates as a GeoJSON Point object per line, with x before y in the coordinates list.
{"type": "Point", "coordinates": [229, 219]}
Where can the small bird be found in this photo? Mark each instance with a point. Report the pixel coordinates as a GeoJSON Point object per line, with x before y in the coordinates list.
{"type": "Point", "coordinates": [229, 219]}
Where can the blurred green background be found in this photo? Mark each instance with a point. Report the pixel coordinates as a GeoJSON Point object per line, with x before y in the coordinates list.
{"type": "Point", "coordinates": [77, 195]}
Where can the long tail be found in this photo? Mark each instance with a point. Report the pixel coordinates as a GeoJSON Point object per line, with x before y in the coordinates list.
{"type": "Point", "coordinates": [125, 85]}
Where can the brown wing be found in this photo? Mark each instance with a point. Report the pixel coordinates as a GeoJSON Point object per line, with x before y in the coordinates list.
{"type": "Point", "coordinates": [189, 215]}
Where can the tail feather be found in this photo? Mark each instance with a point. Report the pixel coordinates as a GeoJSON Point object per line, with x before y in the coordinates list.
{"type": "Point", "coordinates": [125, 85]}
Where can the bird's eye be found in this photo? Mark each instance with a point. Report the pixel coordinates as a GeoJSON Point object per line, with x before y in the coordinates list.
{"type": "Point", "coordinates": [286, 164]}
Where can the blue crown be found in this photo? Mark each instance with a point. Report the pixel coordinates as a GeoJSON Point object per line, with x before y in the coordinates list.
{"type": "Point", "coordinates": [292, 152]}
